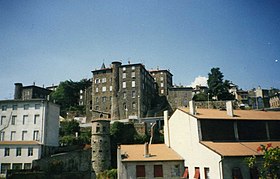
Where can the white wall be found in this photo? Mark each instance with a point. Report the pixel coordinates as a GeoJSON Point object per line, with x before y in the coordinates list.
{"type": "Point", "coordinates": [184, 139]}
{"type": "Point", "coordinates": [51, 125]}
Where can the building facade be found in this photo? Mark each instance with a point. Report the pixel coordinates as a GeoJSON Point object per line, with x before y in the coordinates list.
{"type": "Point", "coordinates": [28, 130]}
{"type": "Point", "coordinates": [215, 143]}
{"type": "Point", "coordinates": [122, 91]}
{"type": "Point", "coordinates": [149, 161]}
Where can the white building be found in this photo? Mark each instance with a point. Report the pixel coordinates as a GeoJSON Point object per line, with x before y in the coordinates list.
{"type": "Point", "coordinates": [29, 129]}
{"type": "Point", "coordinates": [214, 143]}
{"type": "Point", "coordinates": [149, 161]}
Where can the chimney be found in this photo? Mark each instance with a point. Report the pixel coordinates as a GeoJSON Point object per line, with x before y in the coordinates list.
{"type": "Point", "coordinates": [229, 108]}
{"type": "Point", "coordinates": [18, 90]}
{"type": "Point", "coordinates": [146, 150]}
{"type": "Point", "coordinates": [192, 108]}
{"type": "Point", "coordinates": [166, 129]}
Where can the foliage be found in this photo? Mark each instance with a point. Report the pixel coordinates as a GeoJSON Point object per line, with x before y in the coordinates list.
{"type": "Point", "coordinates": [108, 174]}
{"type": "Point", "coordinates": [67, 94]}
{"type": "Point", "coordinates": [56, 166]}
{"type": "Point", "coordinates": [69, 128]}
{"type": "Point", "coordinates": [270, 167]}
{"type": "Point", "coordinates": [200, 97]}
{"type": "Point", "coordinates": [217, 87]}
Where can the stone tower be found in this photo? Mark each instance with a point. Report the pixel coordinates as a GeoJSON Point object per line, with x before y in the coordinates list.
{"type": "Point", "coordinates": [100, 142]}
{"type": "Point", "coordinates": [115, 84]}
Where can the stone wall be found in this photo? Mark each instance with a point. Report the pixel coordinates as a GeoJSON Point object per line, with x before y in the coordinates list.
{"type": "Point", "coordinates": [75, 161]}
{"type": "Point", "coordinates": [214, 104]}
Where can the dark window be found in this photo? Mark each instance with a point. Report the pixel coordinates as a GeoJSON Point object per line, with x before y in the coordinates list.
{"type": "Point", "coordinates": [236, 173]}
{"type": "Point", "coordinates": [97, 129]}
{"type": "Point", "coordinates": [254, 173]}
{"type": "Point", "coordinates": [196, 173]}
{"type": "Point", "coordinates": [274, 130]}
{"type": "Point", "coordinates": [217, 130]}
{"type": "Point", "coordinates": [251, 130]}
{"type": "Point", "coordinates": [206, 173]}
{"type": "Point", "coordinates": [186, 173]}
{"type": "Point", "coordinates": [158, 171]}
{"type": "Point", "coordinates": [140, 171]}
{"type": "Point", "coordinates": [7, 152]}
{"type": "Point", "coordinates": [30, 151]}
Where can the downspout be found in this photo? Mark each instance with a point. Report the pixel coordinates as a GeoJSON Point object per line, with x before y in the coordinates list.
{"type": "Point", "coordinates": [221, 168]}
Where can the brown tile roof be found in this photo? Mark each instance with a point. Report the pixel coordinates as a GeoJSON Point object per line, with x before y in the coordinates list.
{"type": "Point", "coordinates": [238, 114]}
{"type": "Point", "coordinates": [159, 152]}
{"type": "Point", "coordinates": [237, 148]}
{"type": "Point", "coordinates": [19, 143]}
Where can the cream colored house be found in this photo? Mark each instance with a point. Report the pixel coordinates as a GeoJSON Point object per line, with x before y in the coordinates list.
{"type": "Point", "coordinates": [149, 161]}
{"type": "Point", "coordinates": [28, 130]}
{"type": "Point", "coordinates": [214, 143]}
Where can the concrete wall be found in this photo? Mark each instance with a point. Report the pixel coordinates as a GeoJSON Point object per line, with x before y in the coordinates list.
{"type": "Point", "coordinates": [184, 139]}
{"type": "Point", "coordinates": [128, 169]}
{"type": "Point", "coordinates": [51, 124]}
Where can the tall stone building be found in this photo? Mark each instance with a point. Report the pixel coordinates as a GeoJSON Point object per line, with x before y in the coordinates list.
{"type": "Point", "coordinates": [163, 79]}
{"type": "Point", "coordinates": [122, 91]}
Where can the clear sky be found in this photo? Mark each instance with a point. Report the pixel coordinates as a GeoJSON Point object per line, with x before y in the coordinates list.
{"type": "Point", "coordinates": [51, 41]}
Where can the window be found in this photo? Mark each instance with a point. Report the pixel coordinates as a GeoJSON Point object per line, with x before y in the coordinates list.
{"type": "Point", "coordinates": [25, 118]}
{"type": "Point", "coordinates": [26, 107]}
{"type": "Point", "coordinates": [5, 167]}
{"type": "Point", "coordinates": [96, 90]}
{"type": "Point", "coordinates": [23, 135]}
{"type": "Point", "coordinates": [103, 88]}
{"type": "Point", "coordinates": [96, 81]}
{"type": "Point", "coordinates": [103, 80]}
{"type": "Point", "coordinates": [36, 118]}
{"type": "Point", "coordinates": [133, 74]}
{"type": "Point", "coordinates": [27, 166]}
{"type": "Point", "coordinates": [162, 91]}
{"type": "Point", "coordinates": [2, 136]}
{"type": "Point", "coordinates": [133, 68]}
{"type": "Point", "coordinates": [123, 68]}
{"type": "Point", "coordinates": [3, 118]}
{"type": "Point", "coordinates": [133, 94]}
{"type": "Point", "coordinates": [124, 95]}
{"type": "Point", "coordinates": [17, 166]}
{"type": "Point", "coordinates": [161, 85]}
{"type": "Point", "coordinates": [124, 84]}
{"type": "Point", "coordinates": [133, 105]}
{"type": "Point", "coordinates": [96, 100]}
{"type": "Point", "coordinates": [13, 135]}
{"type": "Point", "coordinates": [97, 129]}
{"type": "Point", "coordinates": [133, 84]}
{"type": "Point", "coordinates": [236, 173]}
{"type": "Point", "coordinates": [4, 107]}
{"type": "Point", "coordinates": [111, 88]}
{"type": "Point", "coordinates": [196, 173]}
{"type": "Point", "coordinates": [36, 135]}
{"type": "Point", "coordinates": [13, 122]}
{"type": "Point", "coordinates": [7, 151]}
{"type": "Point", "coordinates": [37, 106]}
{"type": "Point", "coordinates": [30, 151]}
{"type": "Point", "coordinates": [206, 173]}
{"type": "Point", "coordinates": [158, 171]}
{"type": "Point", "coordinates": [104, 99]}
{"type": "Point", "coordinates": [161, 78]}
{"type": "Point", "coordinates": [14, 107]}
{"type": "Point", "coordinates": [140, 171]}
{"type": "Point", "coordinates": [18, 151]}
{"type": "Point", "coordinates": [124, 75]}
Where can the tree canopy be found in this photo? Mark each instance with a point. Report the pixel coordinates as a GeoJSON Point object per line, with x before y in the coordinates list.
{"type": "Point", "coordinates": [67, 95]}
{"type": "Point", "coordinates": [218, 88]}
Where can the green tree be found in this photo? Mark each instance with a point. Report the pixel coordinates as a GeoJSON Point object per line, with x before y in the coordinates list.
{"type": "Point", "coordinates": [217, 87]}
{"type": "Point", "coordinates": [67, 95]}
{"type": "Point", "coordinates": [270, 164]}
{"type": "Point", "coordinates": [200, 97]}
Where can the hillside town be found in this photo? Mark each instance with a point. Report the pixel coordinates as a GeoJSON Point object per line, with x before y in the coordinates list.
{"type": "Point", "coordinates": [190, 132]}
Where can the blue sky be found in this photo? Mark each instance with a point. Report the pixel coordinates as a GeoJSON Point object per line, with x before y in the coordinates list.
{"type": "Point", "coordinates": [51, 41]}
